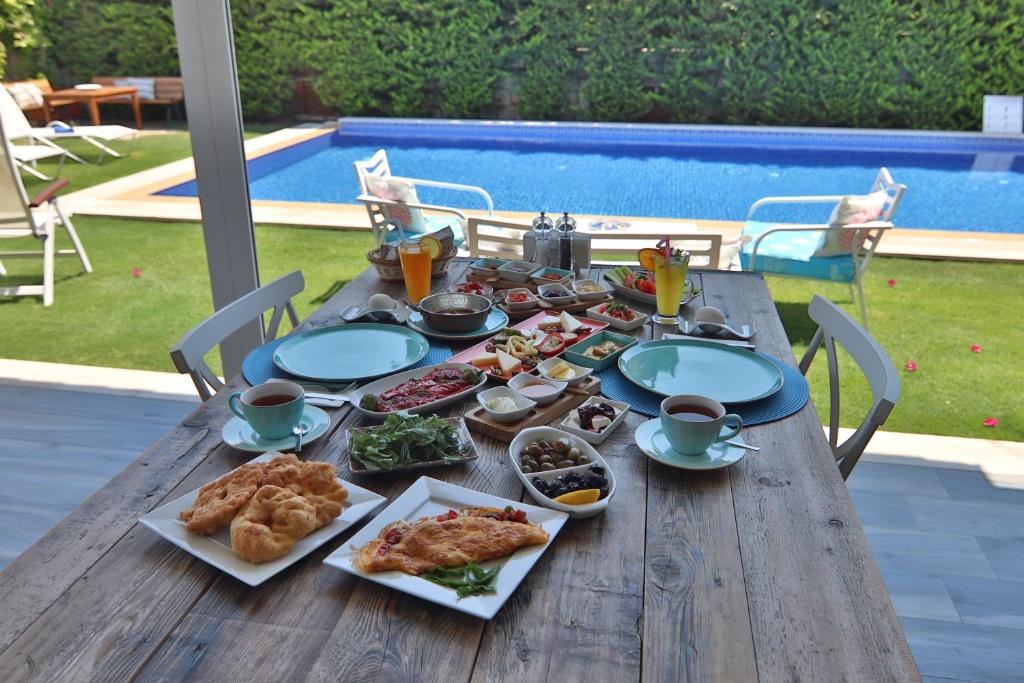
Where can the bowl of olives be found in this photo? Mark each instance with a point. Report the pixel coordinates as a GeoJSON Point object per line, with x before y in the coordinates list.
{"type": "Point", "coordinates": [551, 463]}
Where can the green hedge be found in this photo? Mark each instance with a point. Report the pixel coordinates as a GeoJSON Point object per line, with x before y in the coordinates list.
{"type": "Point", "coordinates": [885, 63]}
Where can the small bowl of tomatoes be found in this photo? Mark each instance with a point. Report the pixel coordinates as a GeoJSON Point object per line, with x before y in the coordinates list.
{"type": "Point", "coordinates": [617, 315]}
{"type": "Point", "coordinates": [520, 299]}
{"type": "Point", "coordinates": [477, 288]}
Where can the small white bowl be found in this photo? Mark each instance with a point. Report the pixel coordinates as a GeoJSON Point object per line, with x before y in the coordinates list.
{"type": "Point", "coordinates": [480, 266]}
{"type": "Point", "coordinates": [518, 271]}
{"type": "Point", "coordinates": [522, 380]}
{"type": "Point", "coordinates": [581, 372]}
{"type": "Point", "coordinates": [618, 324]}
{"type": "Point", "coordinates": [589, 296]}
{"type": "Point", "coordinates": [565, 276]}
{"type": "Point", "coordinates": [488, 291]}
{"type": "Point", "coordinates": [521, 305]}
{"type": "Point", "coordinates": [556, 300]}
{"type": "Point", "coordinates": [523, 404]}
{"type": "Point", "coordinates": [531, 434]}
{"type": "Point", "coordinates": [571, 423]}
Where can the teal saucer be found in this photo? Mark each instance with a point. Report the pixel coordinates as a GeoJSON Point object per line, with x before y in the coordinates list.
{"type": "Point", "coordinates": [651, 440]}
{"type": "Point", "coordinates": [238, 434]}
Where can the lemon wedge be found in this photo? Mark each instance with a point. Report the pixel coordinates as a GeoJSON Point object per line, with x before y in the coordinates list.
{"type": "Point", "coordinates": [581, 497]}
{"type": "Point", "coordinates": [432, 245]}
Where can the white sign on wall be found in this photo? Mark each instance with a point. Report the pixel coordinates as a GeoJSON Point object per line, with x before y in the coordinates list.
{"type": "Point", "coordinates": [1003, 114]}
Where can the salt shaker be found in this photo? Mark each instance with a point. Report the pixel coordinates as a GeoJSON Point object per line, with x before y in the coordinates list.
{"type": "Point", "coordinates": [536, 243]}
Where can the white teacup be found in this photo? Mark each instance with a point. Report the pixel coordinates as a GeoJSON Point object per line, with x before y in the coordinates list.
{"type": "Point", "coordinates": [692, 423]}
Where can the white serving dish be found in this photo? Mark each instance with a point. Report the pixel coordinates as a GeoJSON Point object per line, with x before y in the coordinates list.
{"type": "Point", "coordinates": [618, 324]}
{"type": "Point", "coordinates": [382, 385]}
{"type": "Point", "coordinates": [581, 372]}
{"type": "Point", "coordinates": [509, 271]}
{"type": "Point", "coordinates": [432, 497]}
{"type": "Point", "coordinates": [523, 404]}
{"type": "Point", "coordinates": [525, 437]}
{"type": "Point", "coordinates": [477, 267]}
{"type": "Point", "coordinates": [488, 290]}
{"type": "Point", "coordinates": [690, 292]}
{"type": "Point", "coordinates": [523, 379]}
{"type": "Point", "coordinates": [571, 422]}
{"type": "Point", "coordinates": [556, 300]}
{"type": "Point", "coordinates": [216, 549]}
{"type": "Point", "coordinates": [565, 276]}
{"type": "Point", "coordinates": [589, 296]}
{"type": "Point", "coordinates": [457, 423]}
{"type": "Point", "coordinates": [521, 305]}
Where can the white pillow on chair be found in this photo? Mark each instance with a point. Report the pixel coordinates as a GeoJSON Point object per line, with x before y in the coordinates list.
{"type": "Point", "coordinates": [145, 87]}
{"type": "Point", "coordinates": [398, 190]}
{"type": "Point", "coordinates": [851, 210]}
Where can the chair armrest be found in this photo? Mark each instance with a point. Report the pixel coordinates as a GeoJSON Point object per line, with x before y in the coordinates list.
{"type": "Point", "coordinates": [48, 193]}
{"type": "Point", "coordinates": [452, 186]}
{"type": "Point", "coordinates": [371, 199]}
{"type": "Point", "coordinates": [809, 199]}
{"type": "Point", "coordinates": [817, 227]}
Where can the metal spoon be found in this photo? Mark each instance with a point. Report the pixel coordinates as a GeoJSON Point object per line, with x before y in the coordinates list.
{"type": "Point", "coordinates": [742, 445]}
{"type": "Point", "coordinates": [354, 313]}
{"type": "Point", "coordinates": [710, 319]}
{"type": "Point", "coordinates": [299, 431]}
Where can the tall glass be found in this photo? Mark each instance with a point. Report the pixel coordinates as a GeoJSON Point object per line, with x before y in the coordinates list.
{"type": "Point", "coordinates": [669, 285]}
{"type": "Point", "coordinates": [415, 260]}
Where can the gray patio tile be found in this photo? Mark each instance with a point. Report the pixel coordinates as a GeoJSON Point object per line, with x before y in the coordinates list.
{"type": "Point", "coordinates": [973, 518]}
{"type": "Point", "coordinates": [1006, 555]}
{"type": "Point", "coordinates": [979, 487]}
{"type": "Point", "coordinates": [904, 479]}
{"type": "Point", "coordinates": [937, 679]}
{"type": "Point", "coordinates": [928, 554]}
{"type": "Point", "coordinates": [988, 602]}
{"type": "Point", "coordinates": [965, 651]}
{"type": "Point", "coordinates": [919, 596]}
{"type": "Point", "coordinates": [883, 510]}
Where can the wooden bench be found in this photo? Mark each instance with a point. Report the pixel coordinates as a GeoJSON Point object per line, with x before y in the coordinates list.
{"type": "Point", "coordinates": [169, 92]}
{"type": "Point", "coordinates": [38, 113]}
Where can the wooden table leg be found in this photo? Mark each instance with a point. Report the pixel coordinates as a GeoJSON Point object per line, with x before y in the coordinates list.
{"type": "Point", "coordinates": [94, 111]}
{"type": "Point", "coordinates": [47, 112]}
{"type": "Point", "coordinates": [137, 110]}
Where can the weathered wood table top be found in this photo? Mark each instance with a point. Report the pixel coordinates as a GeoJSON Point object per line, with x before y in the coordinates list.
{"type": "Point", "coordinates": [756, 572]}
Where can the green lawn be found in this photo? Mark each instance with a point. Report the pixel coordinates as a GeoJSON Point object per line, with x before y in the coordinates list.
{"type": "Point", "coordinates": [932, 315]}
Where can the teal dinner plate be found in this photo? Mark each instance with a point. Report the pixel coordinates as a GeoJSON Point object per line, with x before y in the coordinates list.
{"type": "Point", "coordinates": [238, 434]}
{"type": "Point", "coordinates": [683, 366]}
{"type": "Point", "coordinates": [350, 352]}
{"type": "Point", "coordinates": [652, 441]}
{"type": "Point", "coordinates": [496, 320]}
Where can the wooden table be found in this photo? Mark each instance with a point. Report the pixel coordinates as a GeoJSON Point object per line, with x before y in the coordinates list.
{"type": "Point", "coordinates": [92, 99]}
{"type": "Point", "coordinates": [757, 572]}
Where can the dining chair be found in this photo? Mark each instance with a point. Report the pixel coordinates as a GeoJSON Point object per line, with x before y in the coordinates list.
{"type": "Point", "coordinates": [190, 351]}
{"type": "Point", "coordinates": [834, 325]}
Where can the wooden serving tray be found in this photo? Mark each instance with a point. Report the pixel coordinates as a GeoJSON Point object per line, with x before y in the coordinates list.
{"type": "Point", "coordinates": [502, 283]}
{"type": "Point", "coordinates": [577, 307]}
{"type": "Point", "coordinates": [478, 421]}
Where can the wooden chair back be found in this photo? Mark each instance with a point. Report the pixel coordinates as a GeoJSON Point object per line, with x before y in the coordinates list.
{"type": "Point", "coordinates": [494, 237]}
{"type": "Point", "coordinates": [189, 353]}
{"type": "Point", "coordinates": [166, 89]}
{"type": "Point", "coordinates": [835, 325]}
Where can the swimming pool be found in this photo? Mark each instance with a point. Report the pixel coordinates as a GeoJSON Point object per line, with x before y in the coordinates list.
{"type": "Point", "coordinates": [966, 182]}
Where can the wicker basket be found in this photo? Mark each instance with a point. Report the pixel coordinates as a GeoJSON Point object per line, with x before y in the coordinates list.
{"type": "Point", "coordinates": [389, 271]}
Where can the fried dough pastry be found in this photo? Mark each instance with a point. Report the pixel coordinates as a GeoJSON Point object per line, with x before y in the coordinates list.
{"type": "Point", "coordinates": [219, 500]}
{"type": "Point", "coordinates": [271, 523]}
{"type": "Point", "coordinates": [315, 481]}
{"type": "Point", "coordinates": [473, 535]}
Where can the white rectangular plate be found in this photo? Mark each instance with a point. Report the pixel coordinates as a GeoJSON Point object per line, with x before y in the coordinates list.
{"type": "Point", "coordinates": [432, 497]}
{"type": "Point", "coordinates": [216, 549]}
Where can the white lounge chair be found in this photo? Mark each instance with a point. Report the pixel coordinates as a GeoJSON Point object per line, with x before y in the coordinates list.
{"type": "Point", "coordinates": [388, 197]}
{"type": "Point", "coordinates": [832, 252]}
{"type": "Point", "coordinates": [18, 127]}
{"type": "Point", "coordinates": [39, 217]}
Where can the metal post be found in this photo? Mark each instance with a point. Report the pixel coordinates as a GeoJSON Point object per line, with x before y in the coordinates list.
{"type": "Point", "coordinates": [206, 52]}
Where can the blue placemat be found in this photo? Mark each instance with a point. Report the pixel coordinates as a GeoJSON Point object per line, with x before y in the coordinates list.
{"type": "Point", "coordinates": [786, 401]}
{"type": "Point", "coordinates": [259, 366]}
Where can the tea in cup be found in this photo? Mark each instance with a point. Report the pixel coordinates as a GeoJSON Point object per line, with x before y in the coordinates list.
{"type": "Point", "coordinates": [272, 409]}
{"type": "Point", "coordinates": [693, 423]}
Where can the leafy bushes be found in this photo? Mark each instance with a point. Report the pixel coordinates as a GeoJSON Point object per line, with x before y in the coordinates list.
{"type": "Point", "coordinates": [886, 63]}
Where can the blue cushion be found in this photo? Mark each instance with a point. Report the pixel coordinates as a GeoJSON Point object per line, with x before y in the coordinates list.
{"type": "Point", "coordinates": [792, 253]}
{"type": "Point", "coordinates": [436, 223]}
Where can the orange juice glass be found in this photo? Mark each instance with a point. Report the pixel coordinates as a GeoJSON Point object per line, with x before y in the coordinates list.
{"type": "Point", "coordinates": [669, 284]}
{"type": "Point", "coordinates": [415, 269]}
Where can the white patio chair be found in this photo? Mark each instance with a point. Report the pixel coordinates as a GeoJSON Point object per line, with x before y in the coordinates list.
{"type": "Point", "coordinates": [39, 217]}
{"type": "Point", "coordinates": [189, 353]}
{"type": "Point", "coordinates": [792, 250]}
{"type": "Point", "coordinates": [499, 238]}
{"type": "Point", "coordinates": [835, 325]}
{"type": "Point", "coordinates": [18, 127]}
{"type": "Point", "coordinates": [404, 205]}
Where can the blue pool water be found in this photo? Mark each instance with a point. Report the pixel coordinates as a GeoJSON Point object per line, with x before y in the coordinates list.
{"type": "Point", "coordinates": [953, 182]}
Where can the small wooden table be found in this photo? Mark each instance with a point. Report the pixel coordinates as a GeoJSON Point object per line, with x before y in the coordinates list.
{"type": "Point", "coordinates": [757, 572]}
{"type": "Point", "coordinates": [92, 99]}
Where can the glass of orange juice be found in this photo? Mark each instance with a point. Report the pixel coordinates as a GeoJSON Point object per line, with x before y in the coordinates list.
{"type": "Point", "coordinates": [670, 267]}
{"type": "Point", "coordinates": [416, 260]}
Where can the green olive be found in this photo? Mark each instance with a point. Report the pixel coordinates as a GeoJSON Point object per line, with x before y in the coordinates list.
{"type": "Point", "coordinates": [563, 446]}
{"type": "Point", "coordinates": [547, 458]}
{"type": "Point", "coordinates": [565, 463]}
{"type": "Point", "coordinates": [532, 464]}
{"type": "Point", "coordinates": [574, 454]}
{"type": "Point", "coordinates": [526, 469]}
{"type": "Point", "coordinates": [534, 450]}
{"type": "Point", "coordinates": [583, 460]}
{"type": "Point", "coordinates": [546, 467]}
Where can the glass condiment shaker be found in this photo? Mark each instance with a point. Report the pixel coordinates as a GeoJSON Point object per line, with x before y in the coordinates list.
{"type": "Point", "coordinates": [540, 238]}
{"type": "Point", "coordinates": [565, 226]}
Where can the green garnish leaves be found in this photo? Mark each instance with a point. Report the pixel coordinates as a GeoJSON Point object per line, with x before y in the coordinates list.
{"type": "Point", "coordinates": [406, 439]}
{"type": "Point", "coordinates": [468, 579]}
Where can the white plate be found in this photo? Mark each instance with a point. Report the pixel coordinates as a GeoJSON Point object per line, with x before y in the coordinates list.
{"type": "Point", "coordinates": [216, 549]}
{"type": "Point", "coordinates": [88, 86]}
{"type": "Point", "coordinates": [382, 385]}
{"type": "Point", "coordinates": [456, 422]}
{"type": "Point", "coordinates": [618, 323]}
{"type": "Point", "coordinates": [572, 426]}
{"type": "Point", "coordinates": [525, 437]}
{"type": "Point", "coordinates": [689, 292]}
{"type": "Point", "coordinates": [429, 496]}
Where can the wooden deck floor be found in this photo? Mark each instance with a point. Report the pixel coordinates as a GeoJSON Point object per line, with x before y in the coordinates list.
{"type": "Point", "coordinates": [949, 542]}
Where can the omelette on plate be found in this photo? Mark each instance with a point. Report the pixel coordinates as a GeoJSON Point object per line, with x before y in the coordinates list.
{"type": "Point", "coordinates": [449, 540]}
